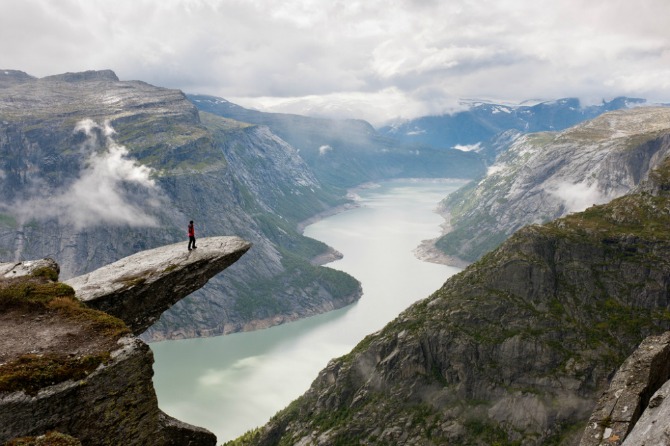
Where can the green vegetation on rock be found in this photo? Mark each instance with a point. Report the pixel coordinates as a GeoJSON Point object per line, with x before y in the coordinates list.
{"type": "Point", "coordinates": [51, 303]}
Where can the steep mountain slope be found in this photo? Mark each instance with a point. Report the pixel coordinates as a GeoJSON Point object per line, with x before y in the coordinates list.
{"type": "Point", "coordinates": [513, 350]}
{"type": "Point", "coordinates": [345, 153]}
{"type": "Point", "coordinates": [94, 169]}
{"type": "Point", "coordinates": [543, 176]}
{"type": "Point", "coordinates": [484, 120]}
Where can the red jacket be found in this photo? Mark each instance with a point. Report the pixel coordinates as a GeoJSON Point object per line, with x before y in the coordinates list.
{"type": "Point", "coordinates": [191, 231]}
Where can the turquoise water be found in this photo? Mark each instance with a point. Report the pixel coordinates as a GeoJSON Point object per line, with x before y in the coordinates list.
{"type": "Point", "coordinates": [230, 384]}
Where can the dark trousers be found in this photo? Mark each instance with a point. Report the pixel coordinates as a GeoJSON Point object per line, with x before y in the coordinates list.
{"type": "Point", "coordinates": [191, 241]}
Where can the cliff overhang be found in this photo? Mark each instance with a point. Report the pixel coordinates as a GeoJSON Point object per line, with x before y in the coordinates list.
{"type": "Point", "coordinates": [69, 360]}
{"type": "Point", "coordinates": [139, 288]}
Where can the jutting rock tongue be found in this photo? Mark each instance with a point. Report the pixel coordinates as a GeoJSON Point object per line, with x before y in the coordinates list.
{"type": "Point", "coordinates": [139, 288]}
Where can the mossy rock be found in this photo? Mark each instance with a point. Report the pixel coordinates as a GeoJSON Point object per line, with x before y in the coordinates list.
{"type": "Point", "coordinates": [50, 439]}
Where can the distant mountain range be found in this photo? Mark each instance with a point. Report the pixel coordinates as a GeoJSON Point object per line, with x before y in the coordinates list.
{"type": "Point", "coordinates": [482, 121]}
{"type": "Point", "coordinates": [539, 177]}
{"type": "Point", "coordinates": [346, 153]}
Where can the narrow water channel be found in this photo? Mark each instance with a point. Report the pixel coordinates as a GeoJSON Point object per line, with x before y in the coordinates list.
{"type": "Point", "coordinates": [230, 384]}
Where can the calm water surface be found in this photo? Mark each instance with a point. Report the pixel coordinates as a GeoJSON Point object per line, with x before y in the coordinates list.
{"type": "Point", "coordinates": [230, 384]}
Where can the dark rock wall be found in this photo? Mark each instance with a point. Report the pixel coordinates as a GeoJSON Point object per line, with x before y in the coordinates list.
{"type": "Point", "coordinates": [115, 405]}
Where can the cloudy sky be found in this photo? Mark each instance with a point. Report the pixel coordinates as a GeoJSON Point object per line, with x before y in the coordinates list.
{"type": "Point", "coordinates": [373, 59]}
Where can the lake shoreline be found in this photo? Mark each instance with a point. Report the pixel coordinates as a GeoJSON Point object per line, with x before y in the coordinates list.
{"type": "Point", "coordinates": [428, 252]}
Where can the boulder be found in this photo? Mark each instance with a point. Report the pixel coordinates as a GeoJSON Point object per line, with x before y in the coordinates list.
{"type": "Point", "coordinates": [11, 270]}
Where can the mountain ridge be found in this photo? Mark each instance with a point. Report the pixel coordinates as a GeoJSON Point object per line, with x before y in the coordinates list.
{"type": "Point", "coordinates": [483, 120]}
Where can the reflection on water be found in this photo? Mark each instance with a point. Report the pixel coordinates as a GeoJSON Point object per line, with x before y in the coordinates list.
{"type": "Point", "coordinates": [230, 384]}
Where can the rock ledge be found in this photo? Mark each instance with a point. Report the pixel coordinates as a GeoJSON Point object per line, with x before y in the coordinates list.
{"type": "Point", "coordinates": [139, 288]}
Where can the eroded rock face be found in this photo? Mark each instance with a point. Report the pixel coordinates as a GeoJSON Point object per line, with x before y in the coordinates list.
{"type": "Point", "coordinates": [113, 401]}
{"type": "Point", "coordinates": [139, 288]}
{"type": "Point", "coordinates": [114, 405]}
{"type": "Point", "coordinates": [652, 428]}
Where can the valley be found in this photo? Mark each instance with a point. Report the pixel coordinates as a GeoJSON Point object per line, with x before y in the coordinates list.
{"type": "Point", "coordinates": [563, 231]}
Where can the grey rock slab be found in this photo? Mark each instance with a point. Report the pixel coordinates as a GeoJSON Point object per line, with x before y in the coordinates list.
{"type": "Point", "coordinates": [139, 288]}
{"type": "Point", "coordinates": [630, 391]}
{"type": "Point", "coordinates": [653, 428]}
{"type": "Point", "coordinates": [11, 270]}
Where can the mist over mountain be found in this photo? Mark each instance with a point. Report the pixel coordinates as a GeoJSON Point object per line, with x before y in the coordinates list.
{"type": "Point", "coordinates": [542, 176]}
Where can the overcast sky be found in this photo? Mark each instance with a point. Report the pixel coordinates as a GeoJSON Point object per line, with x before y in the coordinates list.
{"type": "Point", "coordinates": [371, 59]}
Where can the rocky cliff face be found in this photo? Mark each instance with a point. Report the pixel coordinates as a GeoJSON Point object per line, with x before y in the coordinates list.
{"type": "Point", "coordinates": [94, 169]}
{"type": "Point", "coordinates": [544, 176]}
{"type": "Point", "coordinates": [513, 350]}
{"type": "Point", "coordinates": [115, 404]}
{"type": "Point", "coordinates": [68, 368]}
{"type": "Point", "coordinates": [632, 410]}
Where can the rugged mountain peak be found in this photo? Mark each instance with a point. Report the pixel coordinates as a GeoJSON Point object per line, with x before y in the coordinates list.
{"type": "Point", "coordinates": [139, 288]}
{"type": "Point", "coordinates": [10, 77]}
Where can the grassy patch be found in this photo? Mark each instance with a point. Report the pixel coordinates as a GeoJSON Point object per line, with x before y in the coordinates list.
{"type": "Point", "coordinates": [29, 296]}
{"type": "Point", "coordinates": [30, 372]}
{"type": "Point", "coordinates": [8, 220]}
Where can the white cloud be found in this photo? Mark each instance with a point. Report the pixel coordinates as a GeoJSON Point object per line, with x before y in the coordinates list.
{"type": "Point", "coordinates": [324, 149]}
{"type": "Point", "coordinates": [102, 192]}
{"type": "Point", "coordinates": [468, 148]}
{"type": "Point", "coordinates": [578, 196]}
{"type": "Point", "coordinates": [495, 168]}
{"type": "Point", "coordinates": [374, 59]}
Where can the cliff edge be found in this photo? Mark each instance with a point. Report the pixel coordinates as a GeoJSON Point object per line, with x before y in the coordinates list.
{"type": "Point", "coordinates": [68, 367]}
{"type": "Point", "coordinates": [139, 288]}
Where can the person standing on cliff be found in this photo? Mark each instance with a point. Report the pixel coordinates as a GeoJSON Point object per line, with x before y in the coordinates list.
{"type": "Point", "coordinates": [191, 235]}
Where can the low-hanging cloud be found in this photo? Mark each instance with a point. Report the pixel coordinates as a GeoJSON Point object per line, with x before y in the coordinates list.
{"type": "Point", "coordinates": [468, 148]}
{"type": "Point", "coordinates": [324, 149]}
{"type": "Point", "coordinates": [578, 196]}
{"type": "Point", "coordinates": [106, 191]}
